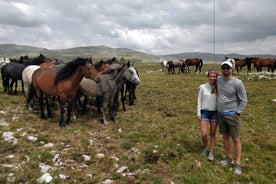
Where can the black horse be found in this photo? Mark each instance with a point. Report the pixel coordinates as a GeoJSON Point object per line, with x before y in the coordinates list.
{"type": "Point", "coordinates": [14, 71]}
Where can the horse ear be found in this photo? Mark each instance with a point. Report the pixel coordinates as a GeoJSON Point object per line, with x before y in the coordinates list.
{"type": "Point", "coordinates": [128, 64]}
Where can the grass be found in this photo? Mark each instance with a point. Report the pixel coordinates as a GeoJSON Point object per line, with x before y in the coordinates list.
{"type": "Point", "coordinates": [158, 138]}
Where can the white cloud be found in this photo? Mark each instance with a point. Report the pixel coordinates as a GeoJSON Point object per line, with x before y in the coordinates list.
{"type": "Point", "coordinates": [157, 26]}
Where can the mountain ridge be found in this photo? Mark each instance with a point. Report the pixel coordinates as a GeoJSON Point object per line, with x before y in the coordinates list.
{"type": "Point", "coordinates": [104, 52]}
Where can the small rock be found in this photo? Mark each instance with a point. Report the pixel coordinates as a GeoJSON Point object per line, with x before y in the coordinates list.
{"type": "Point", "coordinates": [196, 164]}
{"type": "Point", "coordinates": [45, 178]}
{"type": "Point", "coordinates": [122, 169]}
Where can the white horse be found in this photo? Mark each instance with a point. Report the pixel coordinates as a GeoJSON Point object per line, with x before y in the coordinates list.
{"type": "Point", "coordinates": [232, 60]}
{"type": "Point", "coordinates": [163, 64]}
{"type": "Point", "coordinates": [4, 61]}
{"type": "Point", "coordinates": [27, 80]}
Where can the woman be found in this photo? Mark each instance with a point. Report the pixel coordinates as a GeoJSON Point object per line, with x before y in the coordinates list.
{"type": "Point", "coordinates": [207, 114]}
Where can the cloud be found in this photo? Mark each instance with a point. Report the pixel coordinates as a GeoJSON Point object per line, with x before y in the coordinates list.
{"type": "Point", "coordinates": [157, 27]}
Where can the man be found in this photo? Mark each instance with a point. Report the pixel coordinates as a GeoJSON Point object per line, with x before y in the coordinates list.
{"type": "Point", "coordinates": [232, 100]}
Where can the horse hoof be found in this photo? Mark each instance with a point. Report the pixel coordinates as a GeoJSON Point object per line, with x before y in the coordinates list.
{"type": "Point", "coordinates": [62, 125]}
{"type": "Point", "coordinates": [105, 122]}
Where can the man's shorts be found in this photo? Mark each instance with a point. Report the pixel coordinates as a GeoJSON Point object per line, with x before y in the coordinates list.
{"type": "Point", "coordinates": [208, 115]}
{"type": "Point", "coordinates": [229, 125]}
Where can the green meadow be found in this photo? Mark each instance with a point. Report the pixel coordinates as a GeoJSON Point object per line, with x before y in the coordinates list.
{"type": "Point", "coordinates": [156, 141]}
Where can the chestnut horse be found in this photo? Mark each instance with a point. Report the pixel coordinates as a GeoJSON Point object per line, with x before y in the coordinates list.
{"type": "Point", "coordinates": [63, 82]}
{"type": "Point", "coordinates": [101, 65]}
{"type": "Point", "coordinates": [270, 63]}
{"type": "Point", "coordinates": [239, 63]}
{"type": "Point", "coordinates": [197, 62]}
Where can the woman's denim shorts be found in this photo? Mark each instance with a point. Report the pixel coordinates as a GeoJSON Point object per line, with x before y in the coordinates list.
{"type": "Point", "coordinates": [208, 115]}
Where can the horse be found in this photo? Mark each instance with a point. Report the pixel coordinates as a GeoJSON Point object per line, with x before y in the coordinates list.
{"type": "Point", "coordinates": [111, 61]}
{"type": "Point", "coordinates": [131, 89]}
{"type": "Point", "coordinates": [27, 76]}
{"type": "Point", "coordinates": [4, 61]}
{"type": "Point", "coordinates": [270, 63]}
{"type": "Point", "coordinates": [62, 82]}
{"type": "Point", "coordinates": [110, 83]}
{"type": "Point", "coordinates": [101, 65]}
{"type": "Point", "coordinates": [131, 81]}
{"type": "Point", "coordinates": [163, 64]}
{"type": "Point", "coordinates": [197, 62]}
{"type": "Point", "coordinates": [239, 63]}
{"type": "Point", "coordinates": [176, 63]}
{"type": "Point", "coordinates": [14, 71]}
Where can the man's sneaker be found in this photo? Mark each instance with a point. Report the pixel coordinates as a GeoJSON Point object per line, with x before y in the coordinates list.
{"type": "Point", "coordinates": [226, 161]}
{"type": "Point", "coordinates": [237, 169]}
{"type": "Point", "coordinates": [205, 152]}
{"type": "Point", "coordinates": [210, 157]}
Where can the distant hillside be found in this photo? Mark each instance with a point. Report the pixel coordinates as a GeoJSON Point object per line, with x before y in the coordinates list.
{"type": "Point", "coordinates": [96, 52]}
{"type": "Point", "coordinates": [103, 52]}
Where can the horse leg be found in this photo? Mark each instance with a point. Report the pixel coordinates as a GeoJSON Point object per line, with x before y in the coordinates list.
{"type": "Point", "coordinates": [85, 99]}
{"type": "Point", "coordinates": [99, 101]}
{"type": "Point", "coordinates": [62, 111]}
{"type": "Point", "coordinates": [114, 104]}
{"type": "Point", "coordinates": [69, 111]}
{"type": "Point", "coordinates": [15, 89]}
{"type": "Point", "coordinates": [40, 97]}
{"type": "Point", "coordinates": [10, 87]}
{"type": "Point", "coordinates": [105, 108]}
{"type": "Point", "coordinates": [131, 97]}
{"type": "Point", "coordinates": [5, 84]}
{"type": "Point", "coordinates": [22, 84]}
{"type": "Point", "coordinates": [123, 97]}
{"type": "Point", "coordinates": [196, 66]}
{"type": "Point", "coordinates": [47, 97]}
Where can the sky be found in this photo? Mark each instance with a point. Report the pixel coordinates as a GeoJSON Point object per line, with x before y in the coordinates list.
{"type": "Point", "coordinates": [151, 26]}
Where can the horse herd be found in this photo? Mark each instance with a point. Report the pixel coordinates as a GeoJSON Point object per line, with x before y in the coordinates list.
{"type": "Point", "coordinates": [45, 79]}
{"type": "Point", "coordinates": [183, 65]}
{"type": "Point", "coordinates": [258, 63]}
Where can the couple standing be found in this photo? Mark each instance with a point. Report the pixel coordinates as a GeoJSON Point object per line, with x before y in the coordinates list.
{"type": "Point", "coordinates": [220, 101]}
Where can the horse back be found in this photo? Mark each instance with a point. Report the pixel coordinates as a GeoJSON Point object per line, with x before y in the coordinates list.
{"type": "Point", "coordinates": [44, 79]}
{"type": "Point", "coordinates": [264, 62]}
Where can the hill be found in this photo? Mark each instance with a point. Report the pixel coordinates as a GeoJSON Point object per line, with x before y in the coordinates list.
{"type": "Point", "coordinates": [103, 52]}
{"type": "Point", "coordinates": [96, 52]}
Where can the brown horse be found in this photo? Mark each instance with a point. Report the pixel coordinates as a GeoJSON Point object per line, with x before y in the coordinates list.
{"type": "Point", "coordinates": [63, 82]}
{"type": "Point", "coordinates": [197, 62]}
{"type": "Point", "coordinates": [101, 65]}
{"type": "Point", "coordinates": [270, 63]}
{"type": "Point", "coordinates": [239, 63]}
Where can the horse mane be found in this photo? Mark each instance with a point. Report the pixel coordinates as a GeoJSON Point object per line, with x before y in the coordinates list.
{"type": "Point", "coordinates": [70, 68]}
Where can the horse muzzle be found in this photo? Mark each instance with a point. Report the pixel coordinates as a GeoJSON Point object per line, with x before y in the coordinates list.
{"type": "Point", "coordinates": [97, 80]}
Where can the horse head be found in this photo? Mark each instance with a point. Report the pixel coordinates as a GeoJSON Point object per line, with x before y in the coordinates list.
{"type": "Point", "coordinates": [131, 74]}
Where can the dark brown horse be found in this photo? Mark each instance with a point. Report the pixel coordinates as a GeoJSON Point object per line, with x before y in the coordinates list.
{"type": "Point", "coordinates": [197, 62]}
{"type": "Point", "coordinates": [270, 63]}
{"type": "Point", "coordinates": [63, 82]}
{"type": "Point", "coordinates": [239, 63]}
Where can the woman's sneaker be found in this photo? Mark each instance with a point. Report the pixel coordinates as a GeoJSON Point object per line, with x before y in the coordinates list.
{"type": "Point", "coordinates": [205, 152]}
{"type": "Point", "coordinates": [237, 169]}
{"type": "Point", "coordinates": [226, 161]}
{"type": "Point", "coordinates": [210, 157]}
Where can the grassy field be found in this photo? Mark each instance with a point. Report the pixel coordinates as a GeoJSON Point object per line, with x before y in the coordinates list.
{"type": "Point", "coordinates": [155, 141]}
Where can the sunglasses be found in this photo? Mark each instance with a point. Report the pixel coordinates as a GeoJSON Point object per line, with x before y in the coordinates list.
{"type": "Point", "coordinates": [225, 67]}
